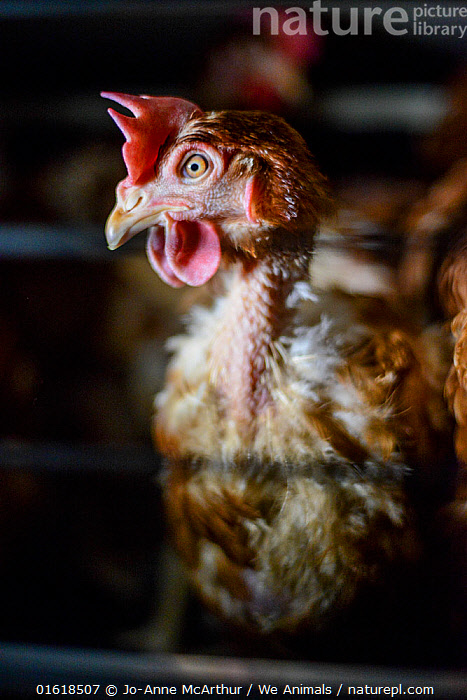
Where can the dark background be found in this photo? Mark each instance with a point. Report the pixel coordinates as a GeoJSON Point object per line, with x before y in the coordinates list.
{"type": "Point", "coordinates": [82, 330]}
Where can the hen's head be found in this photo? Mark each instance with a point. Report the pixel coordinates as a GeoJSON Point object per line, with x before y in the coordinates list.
{"type": "Point", "coordinates": [207, 185]}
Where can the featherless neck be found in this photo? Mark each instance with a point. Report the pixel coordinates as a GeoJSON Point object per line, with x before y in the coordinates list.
{"type": "Point", "coordinates": [261, 288]}
{"type": "Point", "coordinates": [254, 317]}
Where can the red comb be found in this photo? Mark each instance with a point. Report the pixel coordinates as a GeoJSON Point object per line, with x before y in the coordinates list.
{"type": "Point", "coordinates": [156, 118]}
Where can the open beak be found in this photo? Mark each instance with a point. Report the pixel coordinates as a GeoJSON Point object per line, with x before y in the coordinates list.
{"type": "Point", "coordinates": [133, 214]}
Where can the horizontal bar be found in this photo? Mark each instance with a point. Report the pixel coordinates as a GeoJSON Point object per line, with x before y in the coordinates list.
{"type": "Point", "coordinates": [18, 241]}
{"type": "Point", "coordinates": [388, 108]}
{"type": "Point", "coordinates": [24, 666]}
{"type": "Point", "coordinates": [59, 457]}
{"type": "Point", "coordinates": [61, 242]}
{"type": "Point", "coordinates": [47, 8]}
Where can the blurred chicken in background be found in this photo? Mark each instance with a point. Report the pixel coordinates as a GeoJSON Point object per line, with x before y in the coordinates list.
{"type": "Point", "coordinates": [268, 73]}
{"type": "Point", "coordinates": [438, 216]}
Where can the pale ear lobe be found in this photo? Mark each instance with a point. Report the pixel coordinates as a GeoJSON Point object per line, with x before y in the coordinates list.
{"type": "Point", "coordinates": [251, 200]}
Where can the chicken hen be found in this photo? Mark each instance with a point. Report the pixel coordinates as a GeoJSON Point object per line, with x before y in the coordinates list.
{"type": "Point", "coordinates": [290, 423]}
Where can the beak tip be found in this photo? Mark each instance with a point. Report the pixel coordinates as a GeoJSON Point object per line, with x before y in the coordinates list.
{"type": "Point", "coordinates": [113, 235]}
{"type": "Point", "coordinates": [113, 243]}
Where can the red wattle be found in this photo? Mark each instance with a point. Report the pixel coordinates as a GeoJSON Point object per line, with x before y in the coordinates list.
{"type": "Point", "coordinates": [187, 252]}
{"type": "Point", "coordinates": [155, 249]}
{"type": "Point", "coordinates": [193, 250]}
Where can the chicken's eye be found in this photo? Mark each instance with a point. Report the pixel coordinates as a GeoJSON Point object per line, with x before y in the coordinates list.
{"type": "Point", "coordinates": [195, 166]}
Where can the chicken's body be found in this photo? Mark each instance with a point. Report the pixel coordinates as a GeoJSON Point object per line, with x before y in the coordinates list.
{"type": "Point", "coordinates": [289, 423]}
{"type": "Point", "coordinates": [287, 498]}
